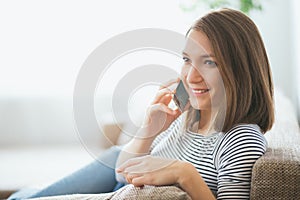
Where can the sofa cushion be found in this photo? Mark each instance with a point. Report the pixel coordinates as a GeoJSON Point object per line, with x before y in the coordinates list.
{"type": "Point", "coordinates": [276, 175]}
{"type": "Point", "coordinates": [130, 192]}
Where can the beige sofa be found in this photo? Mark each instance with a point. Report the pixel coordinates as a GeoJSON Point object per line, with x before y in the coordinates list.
{"type": "Point", "coordinates": [276, 175]}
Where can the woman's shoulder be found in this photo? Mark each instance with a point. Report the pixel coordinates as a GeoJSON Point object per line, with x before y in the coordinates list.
{"type": "Point", "coordinates": [242, 143]}
{"type": "Point", "coordinates": [243, 136]}
{"type": "Point", "coordinates": [251, 131]}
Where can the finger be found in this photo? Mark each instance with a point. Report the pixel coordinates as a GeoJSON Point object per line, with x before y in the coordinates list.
{"type": "Point", "coordinates": [187, 106]}
{"type": "Point", "coordinates": [148, 167]}
{"type": "Point", "coordinates": [166, 99]}
{"type": "Point", "coordinates": [164, 108]}
{"type": "Point", "coordinates": [128, 180]}
{"type": "Point", "coordinates": [141, 181]}
{"type": "Point", "coordinates": [131, 162]}
{"type": "Point", "coordinates": [177, 113]}
{"type": "Point", "coordinates": [128, 163]}
{"type": "Point", "coordinates": [130, 176]}
{"type": "Point", "coordinates": [169, 83]}
{"type": "Point", "coordinates": [133, 175]}
{"type": "Point", "coordinates": [162, 93]}
{"type": "Point", "coordinates": [136, 169]}
{"type": "Point", "coordinates": [138, 182]}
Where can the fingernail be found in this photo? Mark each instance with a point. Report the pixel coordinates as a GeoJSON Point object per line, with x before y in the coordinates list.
{"type": "Point", "coordinates": [118, 170]}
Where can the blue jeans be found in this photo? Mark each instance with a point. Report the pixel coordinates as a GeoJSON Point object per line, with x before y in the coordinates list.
{"type": "Point", "coordinates": [97, 177]}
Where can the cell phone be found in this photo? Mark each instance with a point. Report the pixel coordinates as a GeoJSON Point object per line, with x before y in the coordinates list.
{"type": "Point", "coordinates": [181, 96]}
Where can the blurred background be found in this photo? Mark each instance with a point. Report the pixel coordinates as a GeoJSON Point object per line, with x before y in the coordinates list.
{"type": "Point", "coordinates": [43, 45]}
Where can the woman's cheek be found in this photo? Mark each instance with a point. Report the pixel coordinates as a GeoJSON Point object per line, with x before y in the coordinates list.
{"type": "Point", "coordinates": [183, 73]}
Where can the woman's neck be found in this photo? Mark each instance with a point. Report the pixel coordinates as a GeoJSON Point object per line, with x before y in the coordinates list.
{"type": "Point", "coordinates": [205, 124]}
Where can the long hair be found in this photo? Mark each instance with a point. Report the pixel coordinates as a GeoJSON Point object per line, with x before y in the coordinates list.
{"type": "Point", "coordinates": [244, 68]}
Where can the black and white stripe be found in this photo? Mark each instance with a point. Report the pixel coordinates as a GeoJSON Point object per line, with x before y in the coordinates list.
{"type": "Point", "coordinates": [224, 160]}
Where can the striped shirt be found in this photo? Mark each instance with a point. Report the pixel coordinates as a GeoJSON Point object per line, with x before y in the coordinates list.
{"type": "Point", "coordinates": [224, 160]}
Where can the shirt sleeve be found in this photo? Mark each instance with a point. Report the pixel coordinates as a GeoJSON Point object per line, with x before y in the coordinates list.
{"type": "Point", "coordinates": [241, 147]}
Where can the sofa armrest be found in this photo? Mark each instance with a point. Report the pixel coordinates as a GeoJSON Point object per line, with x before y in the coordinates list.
{"type": "Point", "coordinates": [276, 175]}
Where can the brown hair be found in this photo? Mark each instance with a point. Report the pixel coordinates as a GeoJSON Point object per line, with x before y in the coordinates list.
{"type": "Point", "coordinates": [243, 65]}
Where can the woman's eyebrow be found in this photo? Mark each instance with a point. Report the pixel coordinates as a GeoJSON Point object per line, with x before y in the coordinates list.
{"type": "Point", "coordinates": [184, 53]}
{"type": "Point", "coordinates": [207, 55]}
{"type": "Point", "coordinates": [202, 56]}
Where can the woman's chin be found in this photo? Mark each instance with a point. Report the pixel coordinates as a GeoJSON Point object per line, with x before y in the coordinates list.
{"type": "Point", "coordinates": [200, 105]}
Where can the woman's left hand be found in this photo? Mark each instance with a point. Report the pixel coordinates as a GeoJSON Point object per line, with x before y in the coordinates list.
{"type": "Point", "coordinates": [150, 170]}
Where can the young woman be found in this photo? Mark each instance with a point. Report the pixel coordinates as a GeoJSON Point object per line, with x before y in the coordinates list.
{"type": "Point", "coordinates": [209, 149]}
{"type": "Point", "coordinates": [213, 155]}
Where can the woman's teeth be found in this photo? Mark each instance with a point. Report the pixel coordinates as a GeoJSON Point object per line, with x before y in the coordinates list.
{"type": "Point", "coordinates": [200, 91]}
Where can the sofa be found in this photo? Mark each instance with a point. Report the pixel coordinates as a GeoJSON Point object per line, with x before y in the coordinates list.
{"type": "Point", "coordinates": [275, 175]}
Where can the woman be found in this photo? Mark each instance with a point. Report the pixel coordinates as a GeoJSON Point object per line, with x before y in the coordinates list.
{"type": "Point", "coordinates": [209, 149]}
{"type": "Point", "coordinates": [220, 143]}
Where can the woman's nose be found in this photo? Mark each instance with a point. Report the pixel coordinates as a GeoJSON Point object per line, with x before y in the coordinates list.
{"type": "Point", "coordinates": [194, 75]}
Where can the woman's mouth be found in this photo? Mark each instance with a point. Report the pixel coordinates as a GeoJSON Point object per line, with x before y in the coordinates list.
{"type": "Point", "coordinates": [199, 92]}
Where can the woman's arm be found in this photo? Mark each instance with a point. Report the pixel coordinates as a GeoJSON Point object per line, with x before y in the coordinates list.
{"type": "Point", "coordinates": [158, 119]}
{"type": "Point", "coordinates": [191, 181]}
{"type": "Point", "coordinates": [138, 146]}
{"type": "Point", "coordinates": [150, 170]}
{"type": "Point", "coordinates": [239, 150]}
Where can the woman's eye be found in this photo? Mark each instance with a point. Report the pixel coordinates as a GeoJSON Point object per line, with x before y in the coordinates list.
{"type": "Point", "coordinates": [185, 59]}
{"type": "Point", "coordinates": [210, 63]}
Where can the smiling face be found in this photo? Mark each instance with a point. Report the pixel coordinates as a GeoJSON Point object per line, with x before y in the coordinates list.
{"type": "Point", "coordinates": [239, 87]}
{"type": "Point", "coordinates": [200, 73]}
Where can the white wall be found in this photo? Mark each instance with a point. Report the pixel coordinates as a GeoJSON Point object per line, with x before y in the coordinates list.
{"type": "Point", "coordinates": [44, 43]}
{"type": "Point", "coordinates": [277, 24]}
{"type": "Point", "coordinates": [296, 49]}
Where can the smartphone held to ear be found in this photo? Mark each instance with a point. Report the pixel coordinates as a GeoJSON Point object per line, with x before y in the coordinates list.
{"type": "Point", "coordinates": [181, 96]}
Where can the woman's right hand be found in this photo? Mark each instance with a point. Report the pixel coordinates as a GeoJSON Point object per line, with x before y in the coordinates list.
{"type": "Point", "coordinates": [159, 116]}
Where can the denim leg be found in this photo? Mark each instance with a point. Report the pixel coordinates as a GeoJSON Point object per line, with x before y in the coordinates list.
{"type": "Point", "coordinates": [97, 177]}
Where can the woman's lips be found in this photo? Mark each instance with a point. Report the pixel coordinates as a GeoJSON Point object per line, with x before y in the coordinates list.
{"type": "Point", "coordinates": [199, 92]}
